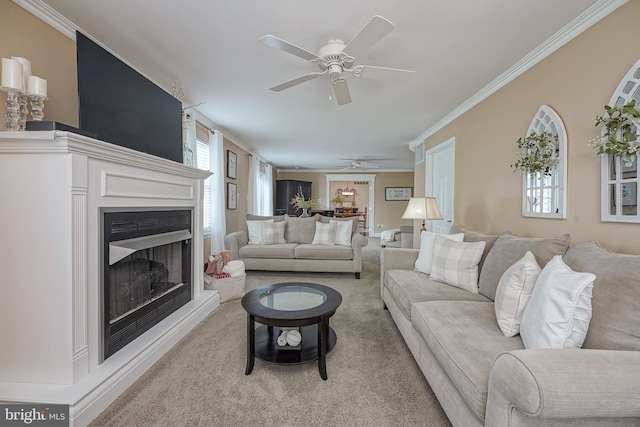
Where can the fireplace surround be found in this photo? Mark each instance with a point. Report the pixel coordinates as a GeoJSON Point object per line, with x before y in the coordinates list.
{"type": "Point", "coordinates": [57, 186]}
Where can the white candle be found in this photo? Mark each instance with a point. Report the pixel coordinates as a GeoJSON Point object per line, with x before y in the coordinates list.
{"type": "Point", "coordinates": [26, 68]}
{"type": "Point", "coordinates": [37, 86]}
{"type": "Point", "coordinates": [12, 74]}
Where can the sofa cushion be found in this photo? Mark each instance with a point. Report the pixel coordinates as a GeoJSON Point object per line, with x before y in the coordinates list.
{"type": "Point", "coordinates": [408, 286]}
{"type": "Point", "coordinates": [283, 250]}
{"type": "Point", "coordinates": [465, 339]}
{"type": "Point", "coordinates": [425, 255]}
{"type": "Point", "coordinates": [509, 248]}
{"type": "Point", "coordinates": [275, 218]}
{"type": "Point", "coordinates": [456, 263]}
{"type": "Point", "coordinates": [309, 251]}
{"type": "Point", "coordinates": [559, 311]}
{"type": "Point", "coordinates": [325, 234]}
{"type": "Point", "coordinates": [473, 236]}
{"type": "Point", "coordinates": [513, 293]}
{"type": "Point", "coordinates": [615, 322]}
{"type": "Point", "coordinates": [300, 230]}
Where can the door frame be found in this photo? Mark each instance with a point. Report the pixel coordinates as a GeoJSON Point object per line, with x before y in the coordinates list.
{"type": "Point", "coordinates": [371, 178]}
{"type": "Point", "coordinates": [449, 143]}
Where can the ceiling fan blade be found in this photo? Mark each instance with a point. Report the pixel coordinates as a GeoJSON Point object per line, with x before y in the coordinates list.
{"type": "Point", "coordinates": [369, 35]}
{"type": "Point", "coordinates": [280, 44]}
{"type": "Point", "coordinates": [371, 72]}
{"type": "Point", "coordinates": [341, 91]}
{"type": "Point", "coordinates": [296, 81]}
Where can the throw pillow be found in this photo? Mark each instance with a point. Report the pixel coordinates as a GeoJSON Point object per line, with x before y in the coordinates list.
{"type": "Point", "coordinates": [509, 248]}
{"type": "Point", "coordinates": [343, 232]}
{"type": "Point", "coordinates": [559, 311]}
{"type": "Point", "coordinates": [273, 232]}
{"type": "Point", "coordinates": [255, 231]}
{"type": "Point", "coordinates": [456, 263]}
{"type": "Point", "coordinates": [513, 293]}
{"type": "Point", "coordinates": [473, 236]}
{"type": "Point", "coordinates": [425, 255]}
{"type": "Point", "coordinates": [325, 234]}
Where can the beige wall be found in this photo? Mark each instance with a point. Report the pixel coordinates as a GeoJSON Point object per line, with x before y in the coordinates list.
{"type": "Point", "coordinates": [236, 218]}
{"type": "Point", "coordinates": [387, 213]}
{"type": "Point", "coordinates": [52, 56]}
{"type": "Point", "coordinates": [576, 81]}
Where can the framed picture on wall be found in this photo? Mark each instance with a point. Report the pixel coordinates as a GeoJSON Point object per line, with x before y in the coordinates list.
{"type": "Point", "coordinates": [232, 164]}
{"type": "Point", "coordinates": [398, 193]}
{"type": "Point", "coordinates": [232, 196]}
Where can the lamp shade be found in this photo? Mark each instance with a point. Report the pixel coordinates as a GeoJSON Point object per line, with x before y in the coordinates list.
{"type": "Point", "coordinates": [424, 208]}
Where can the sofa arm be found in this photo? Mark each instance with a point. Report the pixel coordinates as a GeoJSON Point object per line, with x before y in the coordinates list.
{"type": "Point", "coordinates": [234, 241]}
{"type": "Point", "coordinates": [358, 241]}
{"type": "Point", "coordinates": [564, 384]}
{"type": "Point", "coordinates": [396, 258]}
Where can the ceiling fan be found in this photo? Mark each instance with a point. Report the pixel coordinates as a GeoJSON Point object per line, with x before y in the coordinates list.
{"type": "Point", "coordinates": [359, 164]}
{"type": "Point", "coordinates": [337, 57]}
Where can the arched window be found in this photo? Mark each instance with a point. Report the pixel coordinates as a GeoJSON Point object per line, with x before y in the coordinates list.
{"type": "Point", "coordinates": [544, 194]}
{"type": "Point", "coordinates": [619, 192]}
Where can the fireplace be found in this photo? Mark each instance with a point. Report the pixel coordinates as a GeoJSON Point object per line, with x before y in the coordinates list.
{"type": "Point", "coordinates": [147, 272]}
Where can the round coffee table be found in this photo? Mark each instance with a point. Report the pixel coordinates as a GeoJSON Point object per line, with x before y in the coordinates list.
{"type": "Point", "coordinates": [305, 305]}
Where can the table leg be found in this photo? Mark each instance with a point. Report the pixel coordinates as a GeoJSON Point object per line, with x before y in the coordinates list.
{"type": "Point", "coordinates": [251, 343]}
{"type": "Point", "coordinates": [323, 343]}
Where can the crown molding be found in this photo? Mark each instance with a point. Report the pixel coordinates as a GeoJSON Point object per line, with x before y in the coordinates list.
{"type": "Point", "coordinates": [585, 20]}
{"type": "Point", "coordinates": [46, 13]}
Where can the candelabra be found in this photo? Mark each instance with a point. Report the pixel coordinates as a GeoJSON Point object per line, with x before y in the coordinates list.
{"type": "Point", "coordinates": [13, 109]}
{"type": "Point", "coordinates": [37, 107]}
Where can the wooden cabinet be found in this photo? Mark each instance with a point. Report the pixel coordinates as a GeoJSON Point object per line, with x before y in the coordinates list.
{"type": "Point", "coordinates": [286, 190]}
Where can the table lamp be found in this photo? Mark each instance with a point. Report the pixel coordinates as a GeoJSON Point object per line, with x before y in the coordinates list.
{"type": "Point", "coordinates": [424, 208]}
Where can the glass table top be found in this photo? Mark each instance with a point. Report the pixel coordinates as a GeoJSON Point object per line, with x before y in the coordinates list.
{"type": "Point", "coordinates": [292, 298]}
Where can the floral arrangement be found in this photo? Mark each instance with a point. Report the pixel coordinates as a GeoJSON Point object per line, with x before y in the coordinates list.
{"type": "Point", "coordinates": [620, 137]}
{"type": "Point", "coordinates": [537, 152]}
{"type": "Point", "coordinates": [338, 199]}
{"type": "Point", "coordinates": [300, 203]}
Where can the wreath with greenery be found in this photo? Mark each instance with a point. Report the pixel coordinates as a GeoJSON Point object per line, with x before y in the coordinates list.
{"type": "Point", "coordinates": [620, 137]}
{"type": "Point", "coordinates": [537, 152]}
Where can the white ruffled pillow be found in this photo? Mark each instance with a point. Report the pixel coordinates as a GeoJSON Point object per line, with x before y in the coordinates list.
{"type": "Point", "coordinates": [425, 255]}
{"type": "Point", "coordinates": [513, 293]}
{"type": "Point", "coordinates": [255, 230]}
{"type": "Point", "coordinates": [559, 311]}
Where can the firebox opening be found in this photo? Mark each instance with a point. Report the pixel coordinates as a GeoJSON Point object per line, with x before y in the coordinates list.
{"type": "Point", "coordinates": [147, 272]}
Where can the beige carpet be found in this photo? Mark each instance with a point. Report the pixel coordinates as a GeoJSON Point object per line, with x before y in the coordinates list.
{"type": "Point", "coordinates": [373, 380]}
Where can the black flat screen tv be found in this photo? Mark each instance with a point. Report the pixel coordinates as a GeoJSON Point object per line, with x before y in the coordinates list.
{"type": "Point", "coordinates": [123, 107]}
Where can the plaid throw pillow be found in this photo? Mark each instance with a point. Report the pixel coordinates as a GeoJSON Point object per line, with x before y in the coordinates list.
{"type": "Point", "coordinates": [273, 232]}
{"type": "Point", "coordinates": [325, 234]}
{"type": "Point", "coordinates": [456, 263]}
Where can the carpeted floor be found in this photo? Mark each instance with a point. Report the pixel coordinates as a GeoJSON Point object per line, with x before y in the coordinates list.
{"type": "Point", "coordinates": [373, 379]}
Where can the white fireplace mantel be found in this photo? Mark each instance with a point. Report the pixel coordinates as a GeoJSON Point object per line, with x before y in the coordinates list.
{"type": "Point", "coordinates": [55, 185]}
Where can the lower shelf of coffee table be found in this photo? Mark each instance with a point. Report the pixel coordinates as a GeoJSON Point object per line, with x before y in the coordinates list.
{"type": "Point", "coordinates": [267, 348]}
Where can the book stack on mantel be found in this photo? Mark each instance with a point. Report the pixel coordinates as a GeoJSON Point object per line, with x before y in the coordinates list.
{"type": "Point", "coordinates": [51, 125]}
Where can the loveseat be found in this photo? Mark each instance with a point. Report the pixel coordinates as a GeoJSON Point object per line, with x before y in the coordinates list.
{"type": "Point", "coordinates": [283, 243]}
{"type": "Point", "coordinates": [482, 376]}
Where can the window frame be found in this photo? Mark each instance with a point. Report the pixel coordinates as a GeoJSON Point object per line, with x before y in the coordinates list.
{"type": "Point", "coordinates": [545, 120]}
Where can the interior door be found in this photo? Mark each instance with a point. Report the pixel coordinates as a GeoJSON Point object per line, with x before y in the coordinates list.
{"type": "Point", "coordinates": [439, 177]}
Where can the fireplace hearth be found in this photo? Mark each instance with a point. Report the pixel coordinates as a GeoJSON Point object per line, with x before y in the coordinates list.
{"type": "Point", "coordinates": [147, 272]}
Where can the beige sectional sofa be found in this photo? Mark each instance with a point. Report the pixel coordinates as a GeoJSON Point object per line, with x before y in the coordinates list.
{"type": "Point", "coordinates": [482, 377]}
{"type": "Point", "coordinates": [300, 249]}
